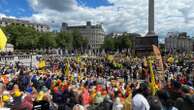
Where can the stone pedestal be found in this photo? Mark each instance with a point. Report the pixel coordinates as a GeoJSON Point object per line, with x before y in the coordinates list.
{"type": "Point", "coordinates": [143, 45]}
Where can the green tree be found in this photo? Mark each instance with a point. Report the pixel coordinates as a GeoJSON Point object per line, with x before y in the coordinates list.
{"type": "Point", "coordinates": [79, 41]}
{"type": "Point", "coordinates": [65, 40]}
{"type": "Point", "coordinates": [21, 37]}
{"type": "Point", "coordinates": [118, 44]}
{"type": "Point", "coordinates": [109, 43]}
{"type": "Point", "coordinates": [126, 42]}
{"type": "Point", "coordinates": [47, 40]}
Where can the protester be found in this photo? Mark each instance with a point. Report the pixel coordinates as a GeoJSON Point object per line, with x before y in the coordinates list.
{"type": "Point", "coordinates": [96, 84]}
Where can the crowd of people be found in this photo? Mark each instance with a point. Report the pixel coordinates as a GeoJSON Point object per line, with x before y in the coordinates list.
{"type": "Point", "coordinates": [119, 83]}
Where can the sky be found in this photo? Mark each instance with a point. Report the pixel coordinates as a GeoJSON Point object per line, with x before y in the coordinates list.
{"type": "Point", "coordinates": [115, 15]}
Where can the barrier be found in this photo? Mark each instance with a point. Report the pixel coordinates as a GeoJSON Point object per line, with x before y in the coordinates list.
{"type": "Point", "coordinates": [25, 59]}
{"type": "Point", "coordinates": [32, 59]}
{"type": "Point", "coordinates": [6, 58]}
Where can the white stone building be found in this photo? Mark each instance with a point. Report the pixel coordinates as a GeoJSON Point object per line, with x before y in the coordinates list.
{"type": "Point", "coordinates": [178, 42]}
{"type": "Point", "coordinates": [94, 33]}
{"type": "Point", "coordinates": [37, 26]}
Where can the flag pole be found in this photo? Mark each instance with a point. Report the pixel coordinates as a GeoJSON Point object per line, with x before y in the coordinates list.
{"type": "Point", "coordinates": [152, 83]}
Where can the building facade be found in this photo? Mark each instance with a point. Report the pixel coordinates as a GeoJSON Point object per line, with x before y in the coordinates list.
{"type": "Point", "coordinates": [178, 42]}
{"type": "Point", "coordinates": [94, 33]}
{"type": "Point", "coordinates": [38, 27]}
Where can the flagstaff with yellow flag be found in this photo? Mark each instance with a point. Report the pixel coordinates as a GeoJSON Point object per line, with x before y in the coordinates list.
{"type": "Point", "coordinates": [170, 60]}
{"type": "Point", "coordinates": [152, 83]}
{"type": "Point", "coordinates": [78, 59]}
{"type": "Point", "coordinates": [41, 64]}
{"type": "Point", "coordinates": [67, 69]}
{"type": "Point", "coordinates": [3, 40]}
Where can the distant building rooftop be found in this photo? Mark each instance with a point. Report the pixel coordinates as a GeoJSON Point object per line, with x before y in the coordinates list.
{"type": "Point", "coordinates": [88, 25]}
{"type": "Point", "coordinates": [21, 21]}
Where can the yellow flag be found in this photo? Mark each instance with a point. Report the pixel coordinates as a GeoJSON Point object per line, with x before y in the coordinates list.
{"type": "Point", "coordinates": [67, 69]}
{"type": "Point", "coordinates": [152, 83]}
{"type": "Point", "coordinates": [3, 40]}
{"type": "Point", "coordinates": [110, 58]}
{"type": "Point", "coordinates": [170, 60]}
{"type": "Point", "coordinates": [41, 64]}
{"type": "Point", "coordinates": [78, 59]}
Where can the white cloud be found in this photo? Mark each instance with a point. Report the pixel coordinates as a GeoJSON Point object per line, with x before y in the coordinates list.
{"type": "Point", "coordinates": [123, 15]}
{"type": "Point", "coordinates": [21, 9]}
{"type": "Point", "coordinates": [58, 5]}
{"type": "Point", "coordinates": [3, 16]}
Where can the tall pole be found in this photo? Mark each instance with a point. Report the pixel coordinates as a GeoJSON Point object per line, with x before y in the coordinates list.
{"type": "Point", "coordinates": [151, 18]}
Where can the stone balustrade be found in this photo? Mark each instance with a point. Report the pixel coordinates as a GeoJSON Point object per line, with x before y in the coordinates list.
{"type": "Point", "coordinates": [25, 59]}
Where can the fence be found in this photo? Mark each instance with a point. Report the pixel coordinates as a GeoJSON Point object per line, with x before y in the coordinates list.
{"type": "Point", "coordinates": [25, 59]}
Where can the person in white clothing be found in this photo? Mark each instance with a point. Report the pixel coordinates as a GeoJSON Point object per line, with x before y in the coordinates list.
{"type": "Point", "coordinates": [117, 104]}
{"type": "Point", "coordinates": [139, 102]}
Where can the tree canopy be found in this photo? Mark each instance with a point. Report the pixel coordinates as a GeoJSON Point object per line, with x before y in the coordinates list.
{"type": "Point", "coordinates": [28, 38]}
{"type": "Point", "coordinates": [65, 40]}
{"type": "Point", "coordinates": [124, 41]}
{"type": "Point", "coordinates": [21, 37]}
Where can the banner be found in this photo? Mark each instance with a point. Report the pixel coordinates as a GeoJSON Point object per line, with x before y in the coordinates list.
{"type": "Point", "coordinates": [3, 40]}
{"type": "Point", "coordinates": [159, 58]}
